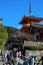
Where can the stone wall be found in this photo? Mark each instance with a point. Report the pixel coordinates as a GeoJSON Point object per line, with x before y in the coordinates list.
{"type": "Point", "coordinates": [33, 53]}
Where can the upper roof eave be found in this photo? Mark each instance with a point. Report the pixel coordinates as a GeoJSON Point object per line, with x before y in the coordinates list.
{"type": "Point", "coordinates": [30, 18]}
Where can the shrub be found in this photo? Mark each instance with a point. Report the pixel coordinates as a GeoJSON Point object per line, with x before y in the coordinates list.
{"type": "Point", "coordinates": [33, 47]}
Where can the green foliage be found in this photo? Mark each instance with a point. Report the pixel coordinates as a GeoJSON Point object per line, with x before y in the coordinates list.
{"type": "Point", "coordinates": [3, 36]}
{"type": "Point", "coordinates": [34, 47]}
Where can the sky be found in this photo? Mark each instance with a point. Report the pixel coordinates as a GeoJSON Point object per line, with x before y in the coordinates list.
{"type": "Point", "coordinates": [12, 11]}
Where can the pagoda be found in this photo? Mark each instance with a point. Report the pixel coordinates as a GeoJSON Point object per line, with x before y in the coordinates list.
{"type": "Point", "coordinates": [32, 27]}
{"type": "Point", "coordinates": [31, 31]}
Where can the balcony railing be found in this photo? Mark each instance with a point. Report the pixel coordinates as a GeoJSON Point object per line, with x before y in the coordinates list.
{"type": "Point", "coordinates": [32, 43]}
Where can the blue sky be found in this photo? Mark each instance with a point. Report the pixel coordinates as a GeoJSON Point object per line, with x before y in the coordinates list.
{"type": "Point", "coordinates": [12, 11]}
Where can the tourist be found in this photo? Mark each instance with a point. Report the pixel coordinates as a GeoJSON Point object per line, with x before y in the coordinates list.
{"type": "Point", "coordinates": [6, 58]}
{"type": "Point", "coordinates": [31, 61]}
{"type": "Point", "coordinates": [19, 63]}
{"type": "Point", "coordinates": [41, 60]}
{"type": "Point", "coordinates": [12, 59]}
{"type": "Point", "coordinates": [19, 54]}
{"type": "Point", "coordinates": [25, 62]}
{"type": "Point", "coordinates": [9, 59]}
{"type": "Point", "coordinates": [3, 56]}
{"type": "Point", "coordinates": [14, 53]}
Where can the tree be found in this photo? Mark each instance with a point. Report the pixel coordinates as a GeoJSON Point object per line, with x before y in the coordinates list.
{"type": "Point", "coordinates": [3, 36]}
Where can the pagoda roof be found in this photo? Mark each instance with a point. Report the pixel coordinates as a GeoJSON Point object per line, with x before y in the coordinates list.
{"type": "Point", "coordinates": [35, 25]}
{"type": "Point", "coordinates": [30, 18]}
{"type": "Point", "coordinates": [25, 28]}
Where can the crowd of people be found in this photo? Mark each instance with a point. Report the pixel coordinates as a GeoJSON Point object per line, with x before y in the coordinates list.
{"type": "Point", "coordinates": [13, 56]}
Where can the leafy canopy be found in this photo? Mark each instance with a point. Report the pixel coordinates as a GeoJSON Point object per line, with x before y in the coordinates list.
{"type": "Point", "coordinates": [3, 36]}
